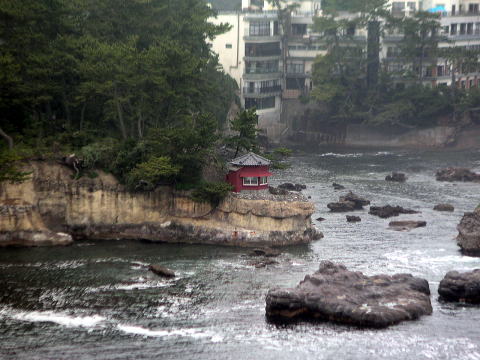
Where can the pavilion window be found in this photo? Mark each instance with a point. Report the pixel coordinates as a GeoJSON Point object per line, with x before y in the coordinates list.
{"type": "Point", "coordinates": [263, 180]}
{"type": "Point", "coordinates": [250, 181]}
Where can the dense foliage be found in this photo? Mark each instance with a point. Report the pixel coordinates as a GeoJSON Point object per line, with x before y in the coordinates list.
{"type": "Point", "coordinates": [354, 87]}
{"type": "Point", "coordinates": [132, 86]}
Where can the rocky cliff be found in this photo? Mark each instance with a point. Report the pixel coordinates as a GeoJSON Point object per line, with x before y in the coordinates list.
{"type": "Point", "coordinates": [52, 205]}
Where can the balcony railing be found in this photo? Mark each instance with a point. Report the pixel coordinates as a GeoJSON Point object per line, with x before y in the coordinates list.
{"type": "Point", "coordinates": [262, 90]}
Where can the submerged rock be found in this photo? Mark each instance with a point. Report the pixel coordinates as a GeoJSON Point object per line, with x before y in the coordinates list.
{"type": "Point", "coordinates": [406, 225]}
{"type": "Point", "coordinates": [443, 207]}
{"type": "Point", "coordinates": [389, 211]}
{"type": "Point", "coordinates": [266, 251]}
{"type": "Point", "coordinates": [34, 238]}
{"type": "Point", "coordinates": [358, 201]}
{"type": "Point", "coordinates": [338, 186]}
{"type": "Point", "coordinates": [352, 218]}
{"type": "Point", "coordinates": [335, 294]}
{"type": "Point", "coordinates": [457, 174]}
{"type": "Point", "coordinates": [396, 177]}
{"type": "Point", "coordinates": [463, 287]}
{"type": "Point", "coordinates": [161, 271]}
{"type": "Point", "coordinates": [263, 263]}
{"type": "Point", "coordinates": [292, 187]}
{"type": "Point", "coordinates": [341, 206]}
{"type": "Point", "coordinates": [320, 219]}
{"type": "Point", "coordinates": [469, 233]}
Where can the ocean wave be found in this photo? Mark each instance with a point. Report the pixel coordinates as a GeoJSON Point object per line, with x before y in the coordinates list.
{"type": "Point", "coordinates": [330, 154]}
{"type": "Point", "coordinates": [195, 333]}
{"type": "Point", "coordinates": [58, 318]}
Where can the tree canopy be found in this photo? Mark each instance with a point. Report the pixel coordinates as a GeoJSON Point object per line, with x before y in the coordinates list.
{"type": "Point", "coordinates": [114, 77]}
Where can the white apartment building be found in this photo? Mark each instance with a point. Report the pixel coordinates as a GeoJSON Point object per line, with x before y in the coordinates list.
{"type": "Point", "coordinates": [271, 66]}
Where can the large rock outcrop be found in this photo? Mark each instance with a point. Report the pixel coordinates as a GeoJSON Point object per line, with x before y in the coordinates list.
{"type": "Point", "coordinates": [348, 202]}
{"type": "Point", "coordinates": [335, 294]}
{"type": "Point", "coordinates": [469, 233]}
{"type": "Point", "coordinates": [101, 208]}
{"type": "Point", "coordinates": [463, 287]}
{"type": "Point", "coordinates": [457, 174]}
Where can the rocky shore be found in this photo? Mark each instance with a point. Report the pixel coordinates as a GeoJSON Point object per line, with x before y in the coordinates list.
{"type": "Point", "coordinates": [336, 294]}
{"type": "Point", "coordinates": [469, 233]}
{"type": "Point", "coordinates": [52, 208]}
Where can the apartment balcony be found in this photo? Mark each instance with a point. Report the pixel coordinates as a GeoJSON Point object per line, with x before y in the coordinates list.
{"type": "Point", "coordinates": [262, 75]}
{"type": "Point", "coordinates": [464, 37]}
{"type": "Point", "coordinates": [262, 92]}
{"type": "Point", "coordinates": [262, 38]}
{"type": "Point", "coordinates": [264, 56]}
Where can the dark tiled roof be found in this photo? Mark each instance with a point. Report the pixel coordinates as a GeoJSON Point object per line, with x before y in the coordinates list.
{"type": "Point", "coordinates": [250, 159]}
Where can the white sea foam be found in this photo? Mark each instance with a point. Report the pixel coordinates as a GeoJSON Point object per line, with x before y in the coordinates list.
{"type": "Point", "coordinates": [195, 333]}
{"type": "Point", "coordinates": [55, 317]}
{"type": "Point", "coordinates": [330, 154]}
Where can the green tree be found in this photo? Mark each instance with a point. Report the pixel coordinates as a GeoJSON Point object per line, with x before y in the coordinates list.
{"type": "Point", "coordinates": [245, 126]}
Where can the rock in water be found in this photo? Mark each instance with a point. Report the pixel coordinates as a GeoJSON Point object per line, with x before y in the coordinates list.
{"type": "Point", "coordinates": [277, 191]}
{"type": "Point", "coordinates": [292, 187]}
{"type": "Point", "coordinates": [357, 200]}
{"type": "Point", "coordinates": [443, 207]}
{"type": "Point", "coordinates": [161, 271]}
{"type": "Point", "coordinates": [464, 287]}
{"type": "Point", "coordinates": [406, 225]}
{"type": "Point", "coordinates": [338, 186]}
{"type": "Point", "coordinates": [389, 211]}
{"type": "Point", "coordinates": [469, 233]}
{"type": "Point", "coordinates": [352, 218]}
{"type": "Point", "coordinates": [335, 294]}
{"type": "Point", "coordinates": [268, 252]}
{"type": "Point", "coordinates": [457, 174]}
{"type": "Point", "coordinates": [341, 206]}
{"type": "Point", "coordinates": [397, 177]}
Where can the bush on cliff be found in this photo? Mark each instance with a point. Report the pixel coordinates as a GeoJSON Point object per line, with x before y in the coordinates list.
{"type": "Point", "coordinates": [211, 192]}
{"type": "Point", "coordinates": [158, 170]}
{"type": "Point", "coordinates": [9, 167]}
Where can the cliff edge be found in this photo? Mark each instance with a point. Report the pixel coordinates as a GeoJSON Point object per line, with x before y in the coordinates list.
{"type": "Point", "coordinates": [52, 207]}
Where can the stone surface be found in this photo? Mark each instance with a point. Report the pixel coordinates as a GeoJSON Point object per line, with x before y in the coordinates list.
{"type": "Point", "coordinates": [358, 201]}
{"type": "Point", "coordinates": [161, 271]}
{"type": "Point", "coordinates": [266, 251]}
{"type": "Point", "coordinates": [389, 211]}
{"type": "Point", "coordinates": [396, 177]}
{"type": "Point", "coordinates": [292, 187]}
{"type": "Point", "coordinates": [443, 207]}
{"type": "Point", "coordinates": [34, 238]}
{"type": "Point", "coordinates": [457, 174]}
{"type": "Point", "coordinates": [469, 233]}
{"type": "Point", "coordinates": [341, 206]}
{"type": "Point", "coordinates": [335, 294]}
{"type": "Point", "coordinates": [101, 208]}
{"type": "Point", "coordinates": [277, 191]}
{"type": "Point", "coordinates": [463, 287]}
{"type": "Point", "coordinates": [352, 218]}
{"type": "Point", "coordinates": [406, 225]}
{"type": "Point", "coordinates": [338, 186]}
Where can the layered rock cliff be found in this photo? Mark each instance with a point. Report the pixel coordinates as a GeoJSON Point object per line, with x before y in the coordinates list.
{"type": "Point", "coordinates": [52, 204]}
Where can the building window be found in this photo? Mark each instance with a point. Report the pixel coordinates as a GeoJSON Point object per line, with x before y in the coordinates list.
{"type": "Point", "coordinates": [260, 28]}
{"type": "Point", "coordinates": [470, 29]}
{"type": "Point", "coordinates": [453, 29]}
{"type": "Point", "coordinates": [261, 67]}
{"type": "Point", "coordinates": [228, 46]}
{"type": "Point", "coordinates": [250, 181]}
{"type": "Point", "coordinates": [264, 179]}
{"type": "Point", "coordinates": [463, 28]}
{"type": "Point", "coordinates": [295, 83]}
{"type": "Point", "coordinates": [268, 49]}
{"type": "Point", "coordinates": [295, 68]}
{"type": "Point", "coordinates": [299, 29]}
{"type": "Point", "coordinates": [259, 104]}
{"type": "Point", "coordinates": [411, 6]}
